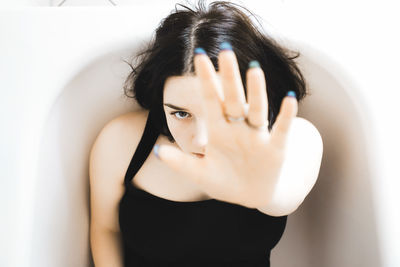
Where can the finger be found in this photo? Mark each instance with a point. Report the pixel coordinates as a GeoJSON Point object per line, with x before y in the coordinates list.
{"type": "Point", "coordinates": [234, 97]}
{"type": "Point", "coordinates": [287, 112]}
{"type": "Point", "coordinates": [179, 161]}
{"type": "Point", "coordinates": [257, 95]}
{"type": "Point", "coordinates": [210, 84]}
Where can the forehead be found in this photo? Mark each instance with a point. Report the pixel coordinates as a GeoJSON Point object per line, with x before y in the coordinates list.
{"type": "Point", "coordinates": [183, 85]}
{"type": "Point", "coordinates": [178, 83]}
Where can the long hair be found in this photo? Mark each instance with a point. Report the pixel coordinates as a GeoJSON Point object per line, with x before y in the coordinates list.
{"type": "Point", "coordinates": [171, 54]}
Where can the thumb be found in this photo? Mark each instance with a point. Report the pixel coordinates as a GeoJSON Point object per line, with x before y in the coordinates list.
{"type": "Point", "coordinates": [179, 161]}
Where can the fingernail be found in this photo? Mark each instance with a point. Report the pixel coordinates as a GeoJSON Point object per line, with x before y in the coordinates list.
{"type": "Point", "coordinates": [225, 46]}
{"type": "Point", "coordinates": [291, 93]}
{"type": "Point", "coordinates": [155, 150]}
{"type": "Point", "coordinates": [199, 50]}
{"type": "Point", "coordinates": [254, 64]}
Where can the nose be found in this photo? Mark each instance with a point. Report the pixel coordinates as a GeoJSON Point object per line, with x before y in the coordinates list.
{"type": "Point", "coordinates": [200, 137]}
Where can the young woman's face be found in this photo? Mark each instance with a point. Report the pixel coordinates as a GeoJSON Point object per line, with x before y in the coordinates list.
{"type": "Point", "coordinates": [183, 107]}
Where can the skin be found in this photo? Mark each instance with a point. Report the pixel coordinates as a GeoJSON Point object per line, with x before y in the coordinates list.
{"type": "Point", "coordinates": [241, 165]}
{"type": "Point", "coordinates": [186, 120]}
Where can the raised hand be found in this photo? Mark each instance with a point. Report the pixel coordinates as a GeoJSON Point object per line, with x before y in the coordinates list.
{"type": "Point", "coordinates": [243, 159]}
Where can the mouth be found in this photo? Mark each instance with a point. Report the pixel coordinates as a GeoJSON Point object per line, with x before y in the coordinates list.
{"type": "Point", "coordinates": [198, 155]}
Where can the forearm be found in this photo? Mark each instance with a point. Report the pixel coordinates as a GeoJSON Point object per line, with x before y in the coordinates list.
{"type": "Point", "coordinates": [106, 247]}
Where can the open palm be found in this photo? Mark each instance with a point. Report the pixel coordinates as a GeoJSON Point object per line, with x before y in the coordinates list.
{"type": "Point", "coordinates": [242, 164]}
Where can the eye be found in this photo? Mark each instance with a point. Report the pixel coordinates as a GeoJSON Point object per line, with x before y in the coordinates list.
{"type": "Point", "coordinates": [177, 112]}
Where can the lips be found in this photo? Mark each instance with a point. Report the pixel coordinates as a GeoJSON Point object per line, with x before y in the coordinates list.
{"type": "Point", "coordinates": [198, 155]}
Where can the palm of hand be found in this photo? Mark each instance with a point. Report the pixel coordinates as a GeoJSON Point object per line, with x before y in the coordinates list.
{"type": "Point", "coordinates": [242, 164]}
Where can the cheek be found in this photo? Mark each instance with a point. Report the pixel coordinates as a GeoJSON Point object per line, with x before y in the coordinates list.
{"type": "Point", "coordinates": [178, 129]}
{"type": "Point", "coordinates": [171, 124]}
{"type": "Point", "coordinates": [174, 126]}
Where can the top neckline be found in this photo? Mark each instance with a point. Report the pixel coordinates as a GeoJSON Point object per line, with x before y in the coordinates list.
{"type": "Point", "coordinates": [132, 188]}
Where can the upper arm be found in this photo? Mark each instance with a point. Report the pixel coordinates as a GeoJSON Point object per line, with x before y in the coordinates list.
{"type": "Point", "coordinates": [108, 161]}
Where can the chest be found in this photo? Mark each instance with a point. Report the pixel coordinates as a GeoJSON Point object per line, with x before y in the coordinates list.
{"type": "Point", "coordinates": [201, 231]}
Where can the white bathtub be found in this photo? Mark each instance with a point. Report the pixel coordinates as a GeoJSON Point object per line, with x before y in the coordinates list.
{"type": "Point", "coordinates": [61, 80]}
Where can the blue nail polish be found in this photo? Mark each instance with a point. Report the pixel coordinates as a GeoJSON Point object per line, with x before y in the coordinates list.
{"type": "Point", "coordinates": [155, 150]}
{"type": "Point", "coordinates": [291, 93]}
{"type": "Point", "coordinates": [199, 50]}
{"type": "Point", "coordinates": [225, 46]}
{"type": "Point", "coordinates": [254, 64]}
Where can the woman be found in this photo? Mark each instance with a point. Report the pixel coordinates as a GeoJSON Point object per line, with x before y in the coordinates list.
{"type": "Point", "coordinates": [225, 172]}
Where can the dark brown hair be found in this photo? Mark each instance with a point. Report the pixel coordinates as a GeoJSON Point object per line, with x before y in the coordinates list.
{"type": "Point", "coordinates": [171, 54]}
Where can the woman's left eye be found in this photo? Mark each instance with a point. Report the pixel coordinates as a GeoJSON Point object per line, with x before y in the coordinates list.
{"type": "Point", "coordinates": [177, 112]}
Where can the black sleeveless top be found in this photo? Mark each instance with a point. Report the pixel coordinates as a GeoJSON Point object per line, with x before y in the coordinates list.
{"type": "Point", "coordinates": [160, 232]}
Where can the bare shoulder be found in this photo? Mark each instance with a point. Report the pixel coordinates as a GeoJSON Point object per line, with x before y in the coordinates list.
{"type": "Point", "coordinates": [306, 130]}
{"type": "Point", "coordinates": [109, 157]}
{"type": "Point", "coordinates": [118, 139]}
{"type": "Point", "coordinates": [304, 136]}
{"type": "Point", "coordinates": [131, 119]}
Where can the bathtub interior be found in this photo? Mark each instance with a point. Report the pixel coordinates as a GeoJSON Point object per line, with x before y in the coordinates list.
{"type": "Point", "coordinates": [93, 97]}
{"type": "Point", "coordinates": [335, 226]}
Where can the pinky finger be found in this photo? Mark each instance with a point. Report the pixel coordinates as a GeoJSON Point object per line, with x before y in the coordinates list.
{"type": "Point", "coordinates": [281, 127]}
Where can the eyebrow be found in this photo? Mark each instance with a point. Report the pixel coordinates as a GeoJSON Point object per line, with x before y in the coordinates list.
{"type": "Point", "coordinates": [175, 107]}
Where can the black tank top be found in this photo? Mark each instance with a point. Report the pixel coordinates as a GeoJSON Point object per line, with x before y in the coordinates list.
{"type": "Point", "coordinates": [160, 232]}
